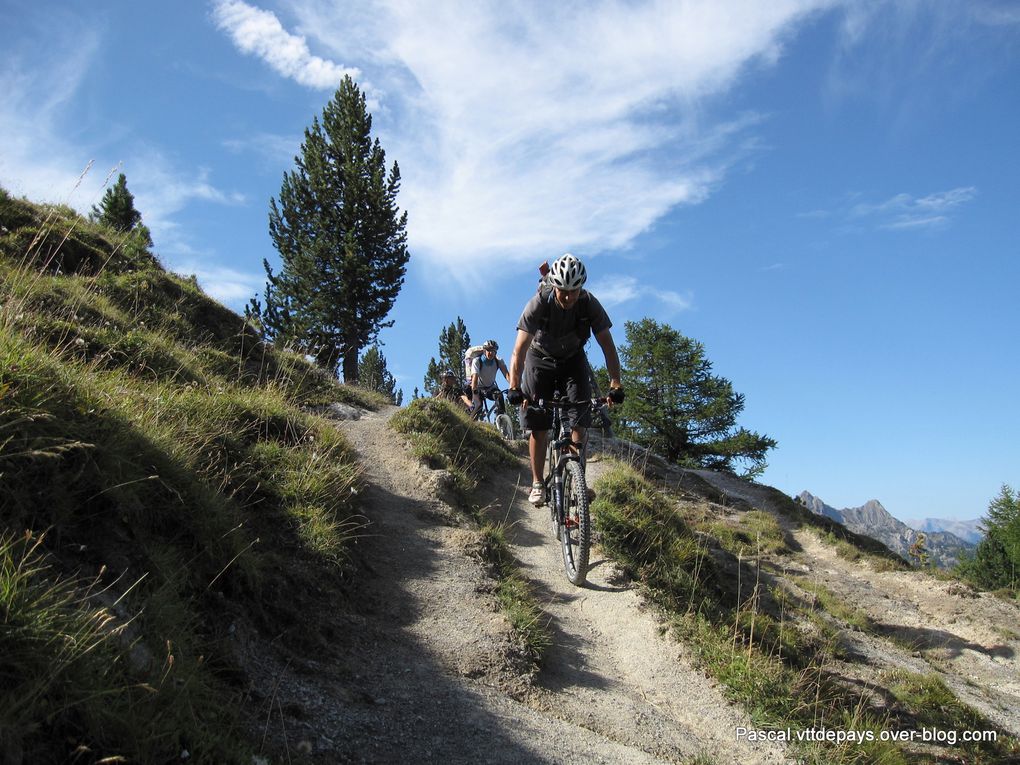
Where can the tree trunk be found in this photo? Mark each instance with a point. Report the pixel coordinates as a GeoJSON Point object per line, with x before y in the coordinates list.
{"type": "Point", "coordinates": [351, 365]}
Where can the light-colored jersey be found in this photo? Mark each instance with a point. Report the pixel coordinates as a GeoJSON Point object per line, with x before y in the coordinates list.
{"type": "Point", "coordinates": [486, 370]}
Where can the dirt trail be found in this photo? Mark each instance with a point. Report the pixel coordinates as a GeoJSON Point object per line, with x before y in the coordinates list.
{"type": "Point", "coordinates": [424, 669]}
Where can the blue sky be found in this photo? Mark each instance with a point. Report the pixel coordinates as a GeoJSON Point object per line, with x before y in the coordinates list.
{"type": "Point", "coordinates": [823, 193]}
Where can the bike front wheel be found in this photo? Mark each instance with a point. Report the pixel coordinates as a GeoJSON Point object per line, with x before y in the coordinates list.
{"type": "Point", "coordinates": [505, 427]}
{"type": "Point", "coordinates": [575, 533]}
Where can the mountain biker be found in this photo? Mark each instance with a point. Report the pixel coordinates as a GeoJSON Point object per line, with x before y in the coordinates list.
{"type": "Point", "coordinates": [483, 377]}
{"type": "Point", "coordinates": [549, 356]}
{"type": "Point", "coordinates": [450, 390]}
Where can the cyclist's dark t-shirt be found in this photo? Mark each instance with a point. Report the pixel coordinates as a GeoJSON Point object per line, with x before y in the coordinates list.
{"type": "Point", "coordinates": [558, 339]}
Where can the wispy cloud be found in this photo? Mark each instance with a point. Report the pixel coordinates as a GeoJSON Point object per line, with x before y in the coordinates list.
{"type": "Point", "coordinates": [40, 160]}
{"type": "Point", "coordinates": [274, 150]}
{"type": "Point", "coordinates": [527, 129]}
{"type": "Point", "coordinates": [162, 190]}
{"type": "Point", "coordinates": [904, 211]}
{"type": "Point", "coordinates": [35, 160]}
{"type": "Point", "coordinates": [899, 212]}
{"type": "Point", "coordinates": [260, 33]}
{"type": "Point", "coordinates": [614, 290]}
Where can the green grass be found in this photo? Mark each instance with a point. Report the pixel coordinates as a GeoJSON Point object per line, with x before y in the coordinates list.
{"type": "Point", "coordinates": [515, 594]}
{"type": "Point", "coordinates": [152, 444]}
{"type": "Point", "coordinates": [70, 687]}
{"type": "Point", "coordinates": [443, 437]}
{"type": "Point", "coordinates": [754, 533]}
{"type": "Point", "coordinates": [836, 606]}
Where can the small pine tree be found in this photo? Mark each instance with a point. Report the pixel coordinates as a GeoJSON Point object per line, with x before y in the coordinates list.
{"type": "Point", "coordinates": [454, 341]}
{"type": "Point", "coordinates": [996, 562]}
{"type": "Point", "coordinates": [117, 210]}
{"type": "Point", "coordinates": [678, 407]}
{"type": "Point", "coordinates": [373, 375]}
{"type": "Point", "coordinates": [918, 551]}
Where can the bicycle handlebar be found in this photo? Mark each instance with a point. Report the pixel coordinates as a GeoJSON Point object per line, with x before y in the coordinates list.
{"type": "Point", "coordinates": [543, 403]}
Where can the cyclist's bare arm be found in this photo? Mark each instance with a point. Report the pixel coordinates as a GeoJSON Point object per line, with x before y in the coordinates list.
{"type": "Point", "coordinates": [605, 341]}
{"type": "Point", "coordinates": [521, 346]}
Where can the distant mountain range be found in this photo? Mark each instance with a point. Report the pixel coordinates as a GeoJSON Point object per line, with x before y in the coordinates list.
{"type": "Point", "coordinates": [873, 520]}
{"type": "Point", "coordinates": [968, 531]}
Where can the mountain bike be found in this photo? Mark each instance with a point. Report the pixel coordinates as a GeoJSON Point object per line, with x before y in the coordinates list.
{"type": "Point", "coordinates": [567, 488]}
{"type": "Point", "coordinates": [492, 403]}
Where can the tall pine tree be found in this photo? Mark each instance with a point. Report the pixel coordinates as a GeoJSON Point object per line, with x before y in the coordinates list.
{"type": "Point", "coordinates": [454, 341]}
{"type": "Point", "coordinates": [341, 238]}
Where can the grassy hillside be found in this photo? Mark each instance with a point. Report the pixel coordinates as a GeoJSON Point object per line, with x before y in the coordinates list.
{"type": "Point", "coordinates": [159, 466]}
{"type": "Point", "coordinates": [776, 641]}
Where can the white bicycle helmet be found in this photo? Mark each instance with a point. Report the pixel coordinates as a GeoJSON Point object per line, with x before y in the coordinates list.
{"type": "Point", "coordinates": [490, 345]}
{"type": "Point", "coordinates": [567, 273]}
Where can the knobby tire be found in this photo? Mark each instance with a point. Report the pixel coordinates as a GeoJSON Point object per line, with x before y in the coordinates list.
{"type": "Point", "coordinates": [575, 532]}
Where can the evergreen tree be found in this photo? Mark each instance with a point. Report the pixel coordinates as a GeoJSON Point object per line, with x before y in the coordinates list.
{"type": "Point", "coordinates": [676, 406]}
{"type": "Point", "coordinates": [341, 239]}
{"type": "Point", "coordinates": [996, 562]}
{"type": "Point", "coordinates": [117, 210]}
{"type": "Point", "coordinates": [454, 341]}
{"type": "Point", "coordinates": [373, 375]}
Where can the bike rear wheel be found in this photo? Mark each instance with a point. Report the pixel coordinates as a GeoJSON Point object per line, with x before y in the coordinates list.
{"type": "Point", "coordinates": [575, 531]}
{"type": "Point", "coordinates": [505, 427]}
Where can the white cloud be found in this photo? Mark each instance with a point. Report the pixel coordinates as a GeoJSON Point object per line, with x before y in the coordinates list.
{"type": "Point", "coordinates": [904, 211]}
{"type": "Point", "coordinates": [226, 285]}
{"type": "Point", "coordinates": [615, 289]}
{"type": "Point", "coordinates": [532, 128]}
{"type": "Point", "coordinates": [260, 33]}
{"type": "Point", "coordinates": [162, 190]}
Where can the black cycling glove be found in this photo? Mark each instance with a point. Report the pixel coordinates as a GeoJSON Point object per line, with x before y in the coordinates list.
{"type": "Point", "coordinates": [514, 397]}
{"type": "Point", "coordinates": [616, 395]}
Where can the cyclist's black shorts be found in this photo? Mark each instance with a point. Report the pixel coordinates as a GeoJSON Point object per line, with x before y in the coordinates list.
{"type": "Point", "coordinates": [544, 377]}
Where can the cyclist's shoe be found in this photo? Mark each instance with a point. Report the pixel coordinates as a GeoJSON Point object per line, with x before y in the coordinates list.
{"type": "Point", "coordinates": [537, 496]}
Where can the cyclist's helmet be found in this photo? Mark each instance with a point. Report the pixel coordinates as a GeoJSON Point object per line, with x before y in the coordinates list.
{"type": "Point", "coordinates": [449, 373]}
{"type": "Point", "coordinates": [490, 345]}
{"type": "Point", "coordinates": [567, 273]}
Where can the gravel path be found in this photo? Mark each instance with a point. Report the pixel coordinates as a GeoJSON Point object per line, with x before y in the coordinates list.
{"type": "Point", "coordinates": [424, 668]}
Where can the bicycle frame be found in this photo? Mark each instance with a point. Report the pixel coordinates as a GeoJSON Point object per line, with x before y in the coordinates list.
{"type": "Point", "coordinates": [567, 490]}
